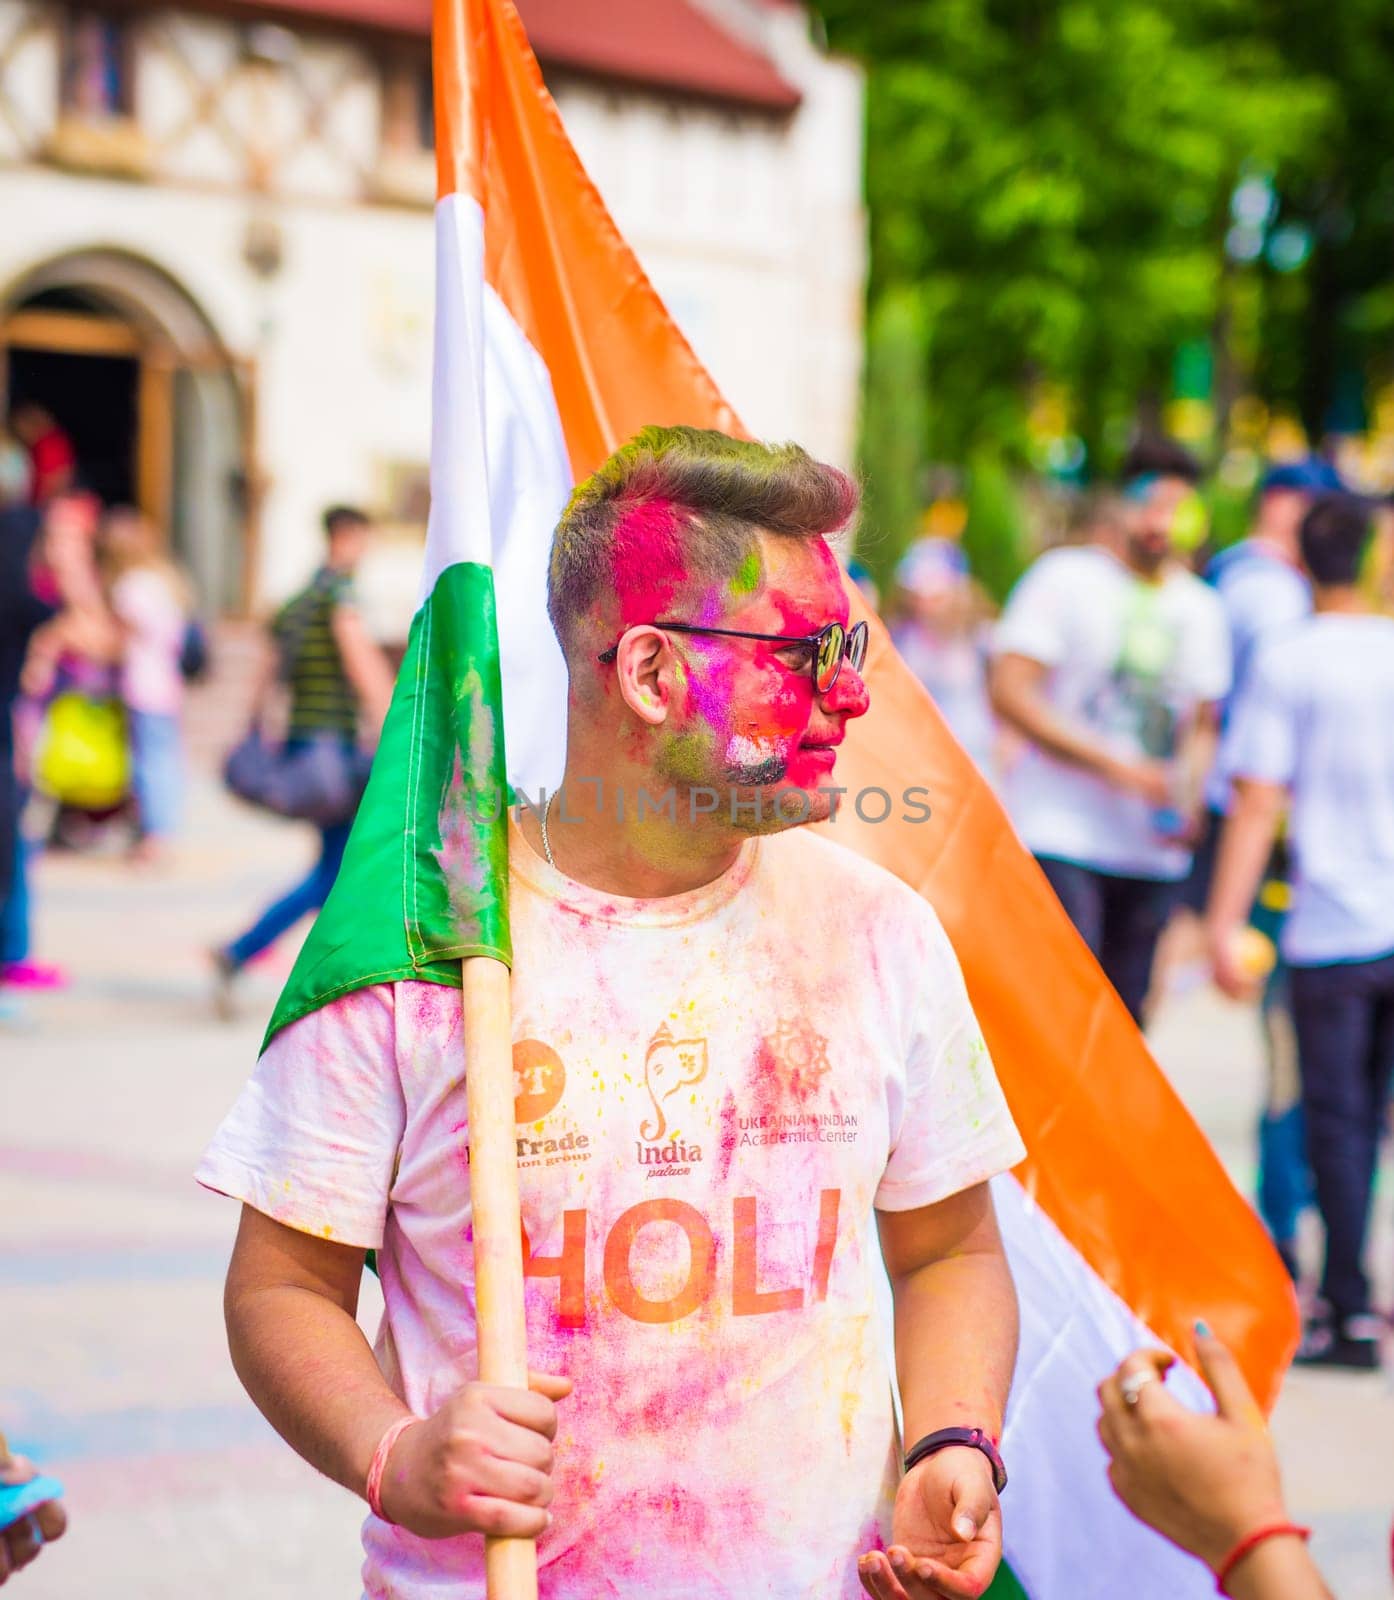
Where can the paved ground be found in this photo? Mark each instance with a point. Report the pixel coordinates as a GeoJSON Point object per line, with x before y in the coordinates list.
{"type": "Point", "coordinates": [112, 1366]}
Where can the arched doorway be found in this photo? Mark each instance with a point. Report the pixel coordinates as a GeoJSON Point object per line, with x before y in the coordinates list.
{"type": "Point", "coordinates": [158, 410]}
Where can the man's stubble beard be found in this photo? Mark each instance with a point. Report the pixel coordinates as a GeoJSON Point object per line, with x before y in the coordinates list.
{"type": "Point", "coordinates": [772, 819]}
{"type": "Point", "coordinates": [1145, 560]}
{"type": "Point", "coordinates": [749, 798]}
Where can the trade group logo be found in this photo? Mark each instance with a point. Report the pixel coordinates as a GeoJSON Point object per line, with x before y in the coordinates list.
{"type": "Point", "coordinates": [539, 1082]}
{"type": "Point", "coordinates": [670, 1066]}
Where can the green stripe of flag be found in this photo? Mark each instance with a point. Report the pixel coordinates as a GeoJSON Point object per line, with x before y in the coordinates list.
{"type": "Point", "coordinates": [425, 877]}
{"type": "Point", "coordinates": [1005, 1586]}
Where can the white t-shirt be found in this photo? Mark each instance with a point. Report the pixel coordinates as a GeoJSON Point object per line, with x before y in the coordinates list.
{"type": "Point", "coordinates": [1130, 661]}
{"type": "Point", "coordinates": [714, 1090]}
{"type": "Point", "coordinates": [1318, 715]}
{"type": "Point", "coordinates": [1261, 593]}
{"type": "Point", "coordinates": [145, 600]}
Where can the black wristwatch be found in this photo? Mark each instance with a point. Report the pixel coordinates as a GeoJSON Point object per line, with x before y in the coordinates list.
{"type": "Point", "coordinates": [974, 1438]}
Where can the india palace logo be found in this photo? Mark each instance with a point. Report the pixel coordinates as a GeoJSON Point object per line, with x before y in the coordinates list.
{"type": "Point", "coordinates": [670, 1066]}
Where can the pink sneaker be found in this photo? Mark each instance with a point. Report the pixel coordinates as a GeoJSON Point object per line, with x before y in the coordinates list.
{"type": "Point", "coordinates": [32, 975]}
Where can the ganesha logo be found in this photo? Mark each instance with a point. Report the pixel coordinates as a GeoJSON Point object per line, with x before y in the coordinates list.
{"type": "Point", "coordinates": [670, 1065]}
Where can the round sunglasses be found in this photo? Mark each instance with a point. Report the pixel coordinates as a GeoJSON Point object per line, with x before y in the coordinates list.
{"type": "Point", "coordinates": [827, 649]}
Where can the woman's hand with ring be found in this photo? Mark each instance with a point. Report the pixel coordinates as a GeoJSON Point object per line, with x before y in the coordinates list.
{"type": "Point", "coordinates": [1132, 1383]}
{"type": "Point", "coordinates": [1205, 1482]}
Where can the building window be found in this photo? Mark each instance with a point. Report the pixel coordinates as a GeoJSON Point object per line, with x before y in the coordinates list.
{"type": "Point", "coordinates": [96, 130]}
{"type": "Point", "coordinates": [406, 170]}
{"type": "Point", "coordinates": [96, 66]}
{"type": "Point", "coordinates": [408, 109]}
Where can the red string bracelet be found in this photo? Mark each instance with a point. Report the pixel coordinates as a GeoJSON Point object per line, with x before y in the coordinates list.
{"type": "Point", "coordinates": [1250, 1542]}
{"type": "Point", "coordinates": [373, 1491]}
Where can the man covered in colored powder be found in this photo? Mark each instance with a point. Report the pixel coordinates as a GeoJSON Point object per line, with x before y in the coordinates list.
{"type": "Point", "coordinates": [735, 1041]}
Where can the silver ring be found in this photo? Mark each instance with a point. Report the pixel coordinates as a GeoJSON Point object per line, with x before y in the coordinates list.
{"type": "Point", "coordinates": [1133, 1385]}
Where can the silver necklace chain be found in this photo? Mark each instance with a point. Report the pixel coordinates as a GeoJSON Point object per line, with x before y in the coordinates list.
{"type": "Point", "coordinates": [546, 842]}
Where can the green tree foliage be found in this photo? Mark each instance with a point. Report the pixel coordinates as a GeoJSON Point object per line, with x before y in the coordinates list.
{"type": "Point", "coordinates": [895, 430]}
{"type": "Point", "coordinates": [1054, 179]}
{"type": "Point", "coordinates": [1328, 328]}
{"type": "Point", "coordinates": [993, 535]}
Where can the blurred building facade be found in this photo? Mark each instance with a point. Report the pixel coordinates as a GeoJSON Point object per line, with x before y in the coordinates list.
{"type": "Point", "coordinates": [216, 268]}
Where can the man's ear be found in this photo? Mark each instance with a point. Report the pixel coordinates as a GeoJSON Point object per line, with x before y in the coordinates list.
{"type": "Point", "coordinates": [644, 674]}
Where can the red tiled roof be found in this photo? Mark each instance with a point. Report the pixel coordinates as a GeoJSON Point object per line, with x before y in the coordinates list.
{"type": "Point", "coordinates": [665, 44]}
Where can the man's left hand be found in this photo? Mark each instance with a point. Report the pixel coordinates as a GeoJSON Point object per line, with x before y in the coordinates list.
{"type": "Point", "coordinates": [946, 1532]}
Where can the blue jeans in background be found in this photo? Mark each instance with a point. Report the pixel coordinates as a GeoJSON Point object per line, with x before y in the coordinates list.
{"type": "Point", "coordinates": [1284, 1178]}
{"type": "Point", "coordinates": [157, 772]}
{"type": "Point", "coordinates": [14, 908]}
{"type": "Point", "coordinates": [307, 895]}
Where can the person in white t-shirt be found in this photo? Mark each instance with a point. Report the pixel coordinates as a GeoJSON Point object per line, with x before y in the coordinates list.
{"type": "Point", "coordinates": [735, 1043]}
{"type": "Point", "coordinates": [1110, 659]}
{"type": "Point", "coordinates": [1313, 737]}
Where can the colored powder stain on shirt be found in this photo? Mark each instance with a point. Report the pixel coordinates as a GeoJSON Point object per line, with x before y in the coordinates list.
{"type": "Point", "coordinates": [979, 1062]}
{"type": "Point", "coordinates": [728, 1135]}
{"type": "Point", "coordinates": [692, 1282]}
{"type": "Point", "coordinates": [851, 1401]}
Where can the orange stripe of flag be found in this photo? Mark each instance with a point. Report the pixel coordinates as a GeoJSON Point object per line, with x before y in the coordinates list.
{"type": "Point", "coordinates": [1115, 1160]}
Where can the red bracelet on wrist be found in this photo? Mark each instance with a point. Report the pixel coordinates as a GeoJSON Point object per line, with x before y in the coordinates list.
{"type": "Point", "coordinates": [373, 1491]}
{"type": "Point", "coordinates": [1251, 1541]}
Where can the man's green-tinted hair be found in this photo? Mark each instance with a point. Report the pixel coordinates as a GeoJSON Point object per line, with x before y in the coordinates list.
{"type": "Point", "coordinates": [683, 507]}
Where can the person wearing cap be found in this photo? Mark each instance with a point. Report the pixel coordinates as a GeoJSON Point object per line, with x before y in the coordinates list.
{"type": "Point", "coordinates": [1111, 659]}
{"type": "Point", "coordinates": [941, 633]}
{"type": "Point", "coordinates": [1260, 579]}
{"type": "Point", "coordinates": [1264, 589]}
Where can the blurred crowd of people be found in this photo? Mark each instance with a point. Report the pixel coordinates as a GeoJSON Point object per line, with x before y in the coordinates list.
{"type": "Point", "coordinates": [1198, 748]}
{"type": "Point", "coordinates": [99, 638]}
{"type": "Point", "coordinates": [98, 635]}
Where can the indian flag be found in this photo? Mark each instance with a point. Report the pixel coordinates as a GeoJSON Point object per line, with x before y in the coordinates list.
{"type": "Point", "coordinates": [552, 348]}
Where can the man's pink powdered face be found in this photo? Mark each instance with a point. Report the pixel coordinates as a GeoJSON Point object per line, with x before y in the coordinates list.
{"type": "Point", "coordinates": [745, 714]}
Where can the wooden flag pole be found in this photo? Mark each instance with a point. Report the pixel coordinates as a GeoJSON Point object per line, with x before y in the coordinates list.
{"type": "Point", "coordinates": [510, 1564]}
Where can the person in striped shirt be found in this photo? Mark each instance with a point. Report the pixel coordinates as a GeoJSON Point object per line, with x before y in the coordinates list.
{"type": "Point", "coordinates": [339, 683]}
